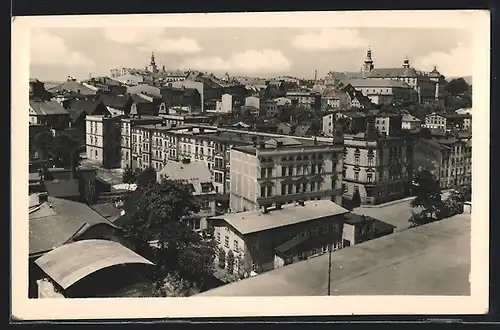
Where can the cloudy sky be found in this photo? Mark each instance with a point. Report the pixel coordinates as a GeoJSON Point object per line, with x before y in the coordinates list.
{"type": "Point", "coordinates": [59, 52]}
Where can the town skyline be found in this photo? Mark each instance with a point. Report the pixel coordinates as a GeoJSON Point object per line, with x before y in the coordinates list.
{"type": "Point", "coordinates": [81, 52]}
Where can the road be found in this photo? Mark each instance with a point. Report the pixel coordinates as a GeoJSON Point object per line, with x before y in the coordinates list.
{"type": "Point", "coordinates": [396, 214]}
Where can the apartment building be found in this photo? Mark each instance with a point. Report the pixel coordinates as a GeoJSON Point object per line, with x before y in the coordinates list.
{"type": "Point", "coordinates": [305, 99]}
{"type": "Point", "coordinates": [102, 135]}
{"type": "Point", "coordinates": [184, 119]}
{"type": "Point", "coordinates": [448, 158]}
{"type": "Point", "coordinates": [128, 142]}
{"type": "Point", "coordinates": [283, 170]}
{"type": "Point", "coordinates": [198, 176]}
{"type": "Point", "coordinates": [388, 123]}
{"type": "Point", "coordinates": [378, 168]}
{"type": "Point", "coordinates": [448, 122]}
{"type": "Point", "coordinates": [262, 241]}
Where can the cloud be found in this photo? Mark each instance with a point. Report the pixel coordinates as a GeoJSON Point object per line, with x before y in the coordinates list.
{"type": "Point", "coordinates": [329, 40]}
{"type": "Point", "coordinates": [455, 63]}
{"type": "Point", "coordinates": [152, 40]}
{"type": "Point", "coordinates": [267, 60]}
{"type": "Point", "coordinates": [48, 49]}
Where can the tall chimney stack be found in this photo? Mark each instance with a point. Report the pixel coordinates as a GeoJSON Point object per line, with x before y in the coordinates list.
{"type": "Point", "coordinates": [315, 75]}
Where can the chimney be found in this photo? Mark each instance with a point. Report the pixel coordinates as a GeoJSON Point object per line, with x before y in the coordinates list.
{"type": "Point", "coordinates": [43, 197]}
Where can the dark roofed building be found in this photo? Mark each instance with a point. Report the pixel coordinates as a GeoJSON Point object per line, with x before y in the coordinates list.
{"type": "Point", "coordinates": [79, 109]}
{"type": "Point", "coordinates": [73, 86]}
{"type": "Point", "coordinates": [49, 113]}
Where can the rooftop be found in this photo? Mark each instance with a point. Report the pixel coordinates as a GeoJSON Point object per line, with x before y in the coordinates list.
{"type": "Point", "coordinates": [255, 221]}
{"type": "Point", "coordinates": [47, 108]}
{"type": "Point", "coordinates": [69, 263]}
{"type": "Point", "coordinates": [195, 173]}
{"type": "Point", "coordinates": [53, 223]}
{"type": "Point", "coordinates": [405, 263]}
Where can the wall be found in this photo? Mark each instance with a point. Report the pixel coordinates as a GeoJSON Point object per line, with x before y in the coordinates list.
{"type": "Point", "coordinates": [252, 101]}
{"type": "Point", "coordinates": [244, 189]}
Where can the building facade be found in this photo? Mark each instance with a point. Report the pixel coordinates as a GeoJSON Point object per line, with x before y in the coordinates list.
{"type": "Point", "coordinates": [103, 140]}
{"type": "Point", "coordinates": [379, 169]}
{"type": "Point", "coordinates": [448, 122]}
{"type": "Point", "coordinates": [264, 241]}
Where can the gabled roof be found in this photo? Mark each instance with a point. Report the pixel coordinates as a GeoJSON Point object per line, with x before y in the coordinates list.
{"type": "Point", "coordinates": [393, 73]}
{"type": "Point", "coordinates": [72, 86]}
{"type": "Point", "coordinates": [70, 263]}
{"type": "Point", "coordinates": [55, 222]}
{"type": "Point", "coordinates": [77, 107]}
{"type": "Point", "coordinates": [47, 108]}
{"type": "Point", "coordinates": [408, 117]}
{"type": "Point", "coordinates": [145, 89]}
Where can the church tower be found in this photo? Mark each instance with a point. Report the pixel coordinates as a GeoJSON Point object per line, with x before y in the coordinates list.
{"type": "Point", "coordinates": [368, 65]}
{"type": "Point", "coordinates": [406, 63]}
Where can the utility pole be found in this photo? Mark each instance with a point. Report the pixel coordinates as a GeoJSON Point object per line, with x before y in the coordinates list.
{"type": "Point", "coordinates": [330, 268]}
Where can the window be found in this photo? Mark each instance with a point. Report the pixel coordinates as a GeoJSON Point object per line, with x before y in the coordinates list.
{"type": "Point", "coordinates": [315, 231]}
{"type": "Point", "coordinates": [254, 266]}
{"type": "Point", "coordinates": [290, 170]}
{"type": "Point", "coordinates": [226, 241]}
{"type": "Point", "coordinates": [290, 189]}
{"type": "Point", "coordinates": [236, 246]}
{"type": "Point", "coordinates": [262, 191]}
{"type": "Point", "coordinates": [356, 176]}
{"type": "Point", "coordinates": [269, 172]}
{"type": "Point", "coordinates": [314, 251]}
{"type": "Point", "coordinates": [283, 189]}
{"type": "Point", "coordinates": [217, 237]}
{"type": "Point", "coordinates": [263, 172]}
{"type": "Point", "coordinates": [326, 227]}
{"type": "Point", "coordinates": [369, 177]}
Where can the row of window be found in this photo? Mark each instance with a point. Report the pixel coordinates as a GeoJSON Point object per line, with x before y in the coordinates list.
{"type": "Point", "coordinates": [298, 188]}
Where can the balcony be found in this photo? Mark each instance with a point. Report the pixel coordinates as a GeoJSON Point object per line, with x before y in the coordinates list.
{"type": "Point", "coordinates": [297, 196]}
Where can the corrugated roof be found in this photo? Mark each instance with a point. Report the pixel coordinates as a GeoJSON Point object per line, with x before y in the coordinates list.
{"type": "Point", "coordinates": [405, 263]}
{"type": "Point", "coordinates": [255, 221]}
{"type": "Point", "coordinates": [47, 108]}
{"type": "Point", "coordinates": [69, 263]}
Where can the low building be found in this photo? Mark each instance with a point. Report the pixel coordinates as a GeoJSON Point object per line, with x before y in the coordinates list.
{"type": "Point", "coordinates": [378, 169]}
{"type": "Point", "coordinates": [409, 122]}
{"type": "Point", "coordinates": [198, 176]}
{"type": "Point", "coordinates": [360, 228]}
{"type": "Point", "coordinates": [284, 170]}
{"type": "Point", "coordinates": [261, 241]}
{"type": "Point", "coordinates": [94, 269]}
{"type": "Point", "coordinates": [103, 140]}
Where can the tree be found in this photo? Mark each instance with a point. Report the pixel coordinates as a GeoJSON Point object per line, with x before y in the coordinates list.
{"type": "Point", "coordinates": [230, 262]}
{"type": "Point", "coordinates": [427, 197]}
{"type": "Point", "coordinates": [457, 86]}
{"type": "Point", "coordinates": [222, 258]}
{"type": "Point", "coordinates": [146, 176]}
{"type": "Point", "coordinates": [356, 198]}
{"type": "Point", "coordinates": [129, 175]}
{"type": "Point", "coordinates": [61, 149]}
{"type": "Point", "coordinates": [158, 213]}
{"type": "Point", "coordinates": [175, 286]}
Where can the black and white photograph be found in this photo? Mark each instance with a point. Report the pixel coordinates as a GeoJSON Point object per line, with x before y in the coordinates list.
{"type": "Point", "coordinates": [231, 156]}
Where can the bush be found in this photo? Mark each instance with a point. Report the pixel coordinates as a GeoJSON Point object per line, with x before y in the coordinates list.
{"type": "Point", "coordinates": [230, 262]}
{"type": "Point", "coordinates": [222, 258]}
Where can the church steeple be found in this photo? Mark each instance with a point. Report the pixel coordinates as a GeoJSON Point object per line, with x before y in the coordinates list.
{"type": "Point", "coordinates": [406, 63]}
{"type": "Point", "coordinates": [368, 65]}
{"type": "Point", "coordinates": [152, 65]}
